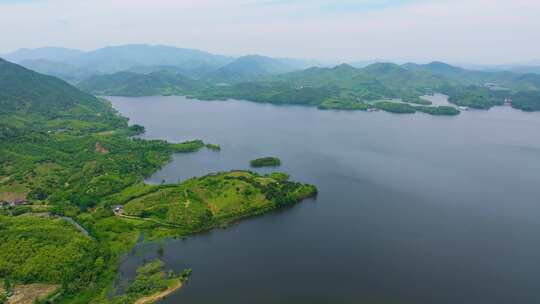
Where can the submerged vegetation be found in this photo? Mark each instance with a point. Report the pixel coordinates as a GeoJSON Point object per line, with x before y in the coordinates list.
{"type": "Point", "coordinates": [265, 162]}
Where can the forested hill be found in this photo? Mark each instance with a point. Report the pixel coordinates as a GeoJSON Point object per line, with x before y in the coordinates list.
{"type": "Point", "coordinates": [253, 66]}
{"type": "Point", "coordinates": [342, 87]}
{"type": "Point", "coordinates": [24, 91]}
{"type": "Point", "coordinates": [137, 84]}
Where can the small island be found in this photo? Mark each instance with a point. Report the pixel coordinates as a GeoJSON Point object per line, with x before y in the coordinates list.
{"type": "Point", "coordinates": [213, 147]}
{"type": "Point", "coordinates": [265, 162]}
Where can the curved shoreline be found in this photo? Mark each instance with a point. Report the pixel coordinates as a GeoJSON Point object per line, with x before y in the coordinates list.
{"type": "Point", "coordinates": [159, 296]}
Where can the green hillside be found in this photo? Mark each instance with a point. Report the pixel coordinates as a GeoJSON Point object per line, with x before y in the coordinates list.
{"type": "Point", "coordinates": [250, 67]}
{"type": "Point", "coordinates": [135, 84]}
{"type": "Point", "coordinates": [27, 92]}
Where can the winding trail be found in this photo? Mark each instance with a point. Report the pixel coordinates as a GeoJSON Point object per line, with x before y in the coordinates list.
{"type": "Point", "coordinates": [78, 226]}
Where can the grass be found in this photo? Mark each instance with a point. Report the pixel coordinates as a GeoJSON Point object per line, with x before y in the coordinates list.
{"type": "Point", "coordinates": [209, 201]}
{"type": "Point", "coordinates": [32, 293]}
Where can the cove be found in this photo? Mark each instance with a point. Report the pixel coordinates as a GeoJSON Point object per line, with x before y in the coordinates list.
{"type": "Point", "coordinates": [411, 208]}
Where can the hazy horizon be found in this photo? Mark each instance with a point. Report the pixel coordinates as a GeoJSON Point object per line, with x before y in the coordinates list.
{"type": "Point", "coordinates": [459, 31]}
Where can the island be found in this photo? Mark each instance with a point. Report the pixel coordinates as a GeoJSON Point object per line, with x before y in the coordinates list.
{"type": "Point", "coordinates": [265, 162]}
{"type": "Point", "coordinates": [213, 147]}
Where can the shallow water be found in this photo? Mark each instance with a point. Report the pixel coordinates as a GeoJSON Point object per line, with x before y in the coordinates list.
{"type": "Point", "coordinates": [411, 208]}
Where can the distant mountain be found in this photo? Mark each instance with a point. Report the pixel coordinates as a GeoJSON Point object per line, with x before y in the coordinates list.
{"type": "Point", "coordinates": [339, 75]}
{"type": "Point", "coordinates": [74, 65]}
{"type": "Point", "coordinates": [134, 84]}
{"type": "Point", "coordinates": [254, 66]}
{"type": "Point", "coordinates": [55, 54]}
{"type": "Point", "coordinates": [262, 79]}
{"type": "Point", "coordinates": [522, 69]}
{"type": "Point", "coordinates": [438, 68]}
{"type": "Point", "coordinates": [525, 69]}
{"type": "Point", "coordinates": [497, 78]}
{"type": "Point", "coordinates": [65, 71]}
{"type": "Point", "coordinates": [528, 81]}
{"type": "Point", "coordinates": [118, 58]}
{"type": "Point", "coordinates": [193, 72]}
{"type": "Point", "coordinates": [25, 91]}
{"type": "Point", "coordinates": [365, 63]}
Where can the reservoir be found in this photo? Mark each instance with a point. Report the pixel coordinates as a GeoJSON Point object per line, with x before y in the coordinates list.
{"type": "Point", "coordinates": [412, 208]}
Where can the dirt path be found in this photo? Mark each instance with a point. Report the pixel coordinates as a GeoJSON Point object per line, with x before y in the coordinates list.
{"type": "Point", "coordinates": [148, 220]}
{"type": "Point", "coordinates": [159, 296]}
{"type": "Point", "coordinates": [28, 294]}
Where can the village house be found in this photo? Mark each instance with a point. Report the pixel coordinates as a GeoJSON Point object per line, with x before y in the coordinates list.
{"type": "Point", "coordinates": [118, 209]}
{"type": "Point", "coordinates": [14, 202]}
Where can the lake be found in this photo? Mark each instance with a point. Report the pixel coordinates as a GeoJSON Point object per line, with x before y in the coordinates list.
{"type": "Point", "coordinates": [411, 208]}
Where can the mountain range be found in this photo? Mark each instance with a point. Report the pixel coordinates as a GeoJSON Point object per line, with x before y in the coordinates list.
{"type": "Point", "coordinates": [341, 87]}
{"type": "Point", "coordinates": [75, 65]}
{"type": "Point", "coordinates": [142, 70]}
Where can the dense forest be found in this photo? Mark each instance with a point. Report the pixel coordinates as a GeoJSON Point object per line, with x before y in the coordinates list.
{"type": "Point", "coordinates": [70, 158]}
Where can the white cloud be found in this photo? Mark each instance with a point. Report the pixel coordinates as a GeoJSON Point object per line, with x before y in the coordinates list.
{"type": "Point", "coordinates": [494, 31]}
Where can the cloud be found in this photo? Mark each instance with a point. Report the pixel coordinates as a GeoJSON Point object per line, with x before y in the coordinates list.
{"type": "Point", "coordinates": [459, 30]}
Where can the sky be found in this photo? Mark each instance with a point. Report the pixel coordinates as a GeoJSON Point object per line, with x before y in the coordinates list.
{"type": "Point", "coordinates": [464, 31]}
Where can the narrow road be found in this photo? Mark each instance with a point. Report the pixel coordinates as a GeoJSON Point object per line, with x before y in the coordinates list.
{"type": "Point", "coordinates": [79, 227]}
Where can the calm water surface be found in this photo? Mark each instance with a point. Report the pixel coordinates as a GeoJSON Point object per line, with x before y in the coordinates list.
{"type": "Point", "coordinates": [411, 208]}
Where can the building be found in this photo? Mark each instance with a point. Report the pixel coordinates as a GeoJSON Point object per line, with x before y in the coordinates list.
{"type": "Point", "coordinates": [14, 202]}
{"type": "Point", "coordinates": [118, 209]}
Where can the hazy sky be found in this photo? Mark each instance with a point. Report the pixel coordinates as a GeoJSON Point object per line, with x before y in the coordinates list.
{"type": "Point", "coordinates": [479, 31]}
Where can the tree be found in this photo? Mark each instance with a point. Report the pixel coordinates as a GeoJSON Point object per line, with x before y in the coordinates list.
{"type": "Point", "coordinates": [8, 286]}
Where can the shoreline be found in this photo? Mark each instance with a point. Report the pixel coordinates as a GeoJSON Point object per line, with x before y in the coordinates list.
{"type": "Point", "coordinates": [161, 295]}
